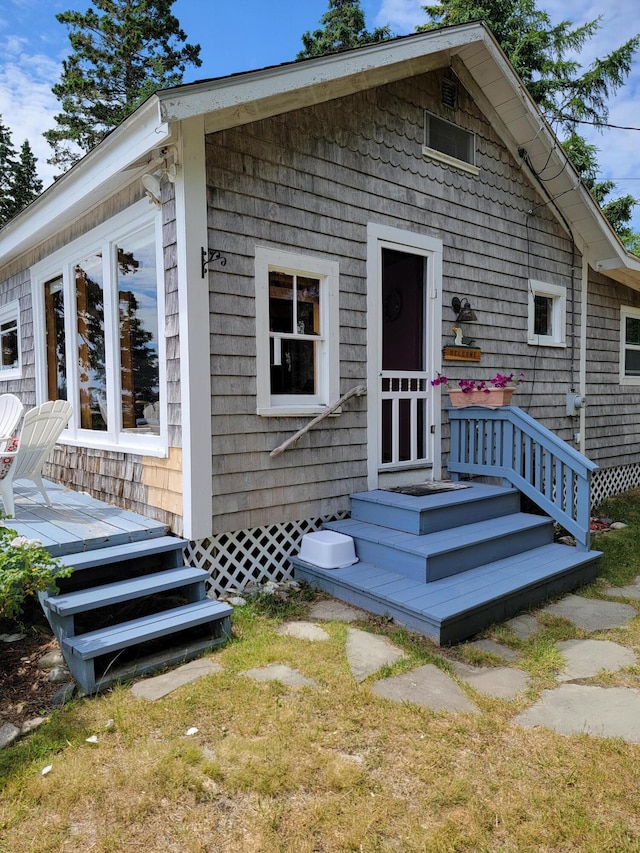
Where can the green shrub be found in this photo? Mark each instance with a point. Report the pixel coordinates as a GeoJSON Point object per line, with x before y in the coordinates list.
{"type": "Point", "coordinates": [26, 568]}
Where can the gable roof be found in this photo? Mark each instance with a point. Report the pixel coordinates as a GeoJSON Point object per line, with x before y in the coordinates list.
{"type": "Point", "coordinates": [470, 49]}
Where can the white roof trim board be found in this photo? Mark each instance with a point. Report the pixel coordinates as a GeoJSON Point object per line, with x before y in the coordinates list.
{"type": "Point", "coordinates": [242, 98]}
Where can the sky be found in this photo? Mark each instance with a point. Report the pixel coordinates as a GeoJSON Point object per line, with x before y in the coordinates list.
{"type": "Point", "coordinates": [249, 34]}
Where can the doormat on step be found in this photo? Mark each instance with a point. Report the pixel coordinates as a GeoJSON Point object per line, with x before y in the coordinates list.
{"type": "Point", "coordinates": [421, 490]}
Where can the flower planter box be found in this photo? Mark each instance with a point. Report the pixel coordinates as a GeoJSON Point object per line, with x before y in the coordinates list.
{"type": "Point", "coordinates": [492, 398]}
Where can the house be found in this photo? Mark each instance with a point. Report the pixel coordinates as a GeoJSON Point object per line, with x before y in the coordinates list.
{"type": "Point", "coordinates": [241, 252]}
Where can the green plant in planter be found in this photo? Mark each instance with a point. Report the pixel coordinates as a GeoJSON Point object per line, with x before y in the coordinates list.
{"type": "Point", "coordinates": [26, 568]}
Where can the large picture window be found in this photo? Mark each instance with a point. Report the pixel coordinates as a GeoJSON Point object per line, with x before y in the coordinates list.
{"type": "Point", "coordinates": [97, 310]}
{"type": "Point", "coordinates": [296, 332]}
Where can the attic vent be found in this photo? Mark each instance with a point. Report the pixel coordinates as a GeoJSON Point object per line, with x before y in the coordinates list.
{"type": "Point", "coordinates": [449, 94]}
{"type": "Point", "coordinates": [448, 139]}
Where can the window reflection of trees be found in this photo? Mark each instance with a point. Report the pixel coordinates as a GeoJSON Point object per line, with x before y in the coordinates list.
{"type": "Point", "coordinates": [91, 343]}
{"type": "Point", "coordinates": [138, 338]}
{"type": "Point", "coordinates": [133, 374]}
{"type": "Point", "coordinates": [56, 340]}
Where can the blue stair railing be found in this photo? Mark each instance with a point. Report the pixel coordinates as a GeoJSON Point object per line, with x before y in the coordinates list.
{"type": "Point", "coordinates": [508, 443]}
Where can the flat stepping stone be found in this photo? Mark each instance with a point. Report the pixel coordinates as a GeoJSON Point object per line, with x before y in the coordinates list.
{"type": "Point", "coordinates": [586, 658]}
{"type": "Point", "coordinates": [282, 673]}
{"type": "Point", "coordinates": [631, 591]}
{"type": "Point", "coordinates": [494, 648]}
{"type": "Point", "coordinates": [592, 614]}
{"type": "Point", "coordinates": [573, 709]}
{"type": "Point", "coordinates": [303, 631]}
{"type": "Point", "coordinates": [335, 611]}
{"type": "Point", "coordinates": [161, 685]}
{"type": "Point", "coordinates": [428, 687]}
{"type": "Point", "coordinates": [367, 653]}
{"type": "Point", "coordinates": [8, 734]}
{"type": "Point", "coordinates": [524, 626]}
{"type": "Point", "coordinates": [501, 682]}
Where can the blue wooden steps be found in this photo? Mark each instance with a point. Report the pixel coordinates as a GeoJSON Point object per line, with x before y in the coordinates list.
{"type": "Point", "coordinates": [90, 645]}
{"type": "Point", "coordinates": [430, 513]}
{"type": "Point", "coordinates": [432, 556]}
{"type": "Point", "coordinates": [185, 578]}
{"type": "Point", "coordinates": [133, 608]}
{"type": "Point", "coordinates": [471, 564]}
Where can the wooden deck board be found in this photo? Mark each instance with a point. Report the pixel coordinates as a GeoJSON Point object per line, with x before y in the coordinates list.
{"type": "Point", "coordinates": [76, 522]}
{"type": "Point", "coordinates": [432, 607]}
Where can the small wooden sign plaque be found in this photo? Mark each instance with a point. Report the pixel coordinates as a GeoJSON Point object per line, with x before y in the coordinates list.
{"type": "Point", "coordinates": [461, 353]}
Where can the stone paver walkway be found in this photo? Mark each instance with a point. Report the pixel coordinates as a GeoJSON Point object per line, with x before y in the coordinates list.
{"type": "Point", "coordinates": [592, 614]}
{"type": "Point", "coordinates": [573, 709]}
{"type": "Point", "coordinates": [570, 708]}
{"type": "Point", "coordinates": [586, 658]}
{"type": "Point", "coordinates": [155, 688]}
{"type": "Point", "coordinates": [427, 686]}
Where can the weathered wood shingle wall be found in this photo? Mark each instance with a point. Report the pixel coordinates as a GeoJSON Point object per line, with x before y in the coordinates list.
{"type": "Point", "coordinates": [613, 410]}
{"type": "Point", "coordinates": [310, 182]}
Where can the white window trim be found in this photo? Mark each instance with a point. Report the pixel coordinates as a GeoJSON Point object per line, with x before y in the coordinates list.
{"type": "Point", "coordinates": [8, 312]}
{"type": "Point", "coordinates": [627, 311]}
{"type": "Point", "coordinates": [135, 218]}
{"type": "Point", "coordinates": [558, 294]}
{"type": "Point", "coordinates": [267, 259]}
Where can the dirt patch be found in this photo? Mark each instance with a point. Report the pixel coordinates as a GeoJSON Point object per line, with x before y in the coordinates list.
{"type": "Point", "coordinates": [25, 691]}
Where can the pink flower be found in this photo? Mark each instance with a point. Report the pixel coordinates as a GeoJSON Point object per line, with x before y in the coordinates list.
{"type": "Point", "coordinates": [468, 386]}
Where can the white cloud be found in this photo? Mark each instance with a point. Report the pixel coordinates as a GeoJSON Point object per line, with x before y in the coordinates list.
{"type": "Point", "coordinates": [403, 16]}
{"type": "Point", "coordinates": [27, 105]}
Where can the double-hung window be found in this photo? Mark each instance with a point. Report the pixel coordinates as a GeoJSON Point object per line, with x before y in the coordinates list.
{"type": "Point", "coordinates": [296, 333]}
{"type": "Point", "coordinates": [629, 345]}
{"type": "Point", "coordinates": [97, 310]}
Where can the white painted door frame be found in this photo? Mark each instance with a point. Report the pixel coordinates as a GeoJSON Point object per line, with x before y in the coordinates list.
{"type": "Point", "coordinates": [379, 237]}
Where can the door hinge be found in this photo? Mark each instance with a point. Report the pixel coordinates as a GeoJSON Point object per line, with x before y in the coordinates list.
{"type": "Point", "coordinates": [432, 430]}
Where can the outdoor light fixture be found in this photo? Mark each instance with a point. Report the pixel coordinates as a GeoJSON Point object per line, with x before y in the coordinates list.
{"type": "Point", "coordinates": [151, 182]}
{"type": "Point", "coordinates": [463, 310]}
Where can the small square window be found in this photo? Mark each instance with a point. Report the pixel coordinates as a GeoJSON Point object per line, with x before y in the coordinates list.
{"type": "Point", "coordinates": [10, 356]}
{"type": "Point", "coordinates": [547, 314]}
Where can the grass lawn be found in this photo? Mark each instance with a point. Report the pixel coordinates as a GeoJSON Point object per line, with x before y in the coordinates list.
{"type": "Point", "coordinates": [332, 767]}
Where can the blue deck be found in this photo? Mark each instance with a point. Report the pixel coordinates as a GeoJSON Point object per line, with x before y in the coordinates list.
{"type": "Point", "coordinates": [488, 571]}
{"type": "Point", "coordinates": [76, 522]}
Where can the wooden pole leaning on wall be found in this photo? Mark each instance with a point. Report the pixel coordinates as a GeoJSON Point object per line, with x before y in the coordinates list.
{"type": "Point", "coordinates": [358, 391]}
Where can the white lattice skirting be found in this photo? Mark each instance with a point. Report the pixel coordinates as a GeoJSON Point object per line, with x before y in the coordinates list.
{"type": "Point", "coordinates": [614, 481]}
{"type": "Point", "coordinates": [256, 555]}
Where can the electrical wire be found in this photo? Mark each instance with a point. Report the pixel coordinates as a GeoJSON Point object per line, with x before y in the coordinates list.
{"type": "Point", "coordinates": [594, 123]}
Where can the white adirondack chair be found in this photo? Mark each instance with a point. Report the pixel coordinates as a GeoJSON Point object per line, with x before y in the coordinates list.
{"type": "Point", "coordinates": [41, 429]}
{"type": "Point", "coordinates": [10, 412]}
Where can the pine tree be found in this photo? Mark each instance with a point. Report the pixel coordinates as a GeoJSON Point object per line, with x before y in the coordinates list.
{"type": "Point", "coordinates": [123, 51]}
{"type": "Point", "coordinates": [541, 53]}
{"type": "Point", "coordinates": [344, 27]}
{"type": "Point", "coordinates": [7, 174]}
{"type": "Point", "coordinates": [27, 185]}
{"type": "Point", "coordinates": [19, 182]}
